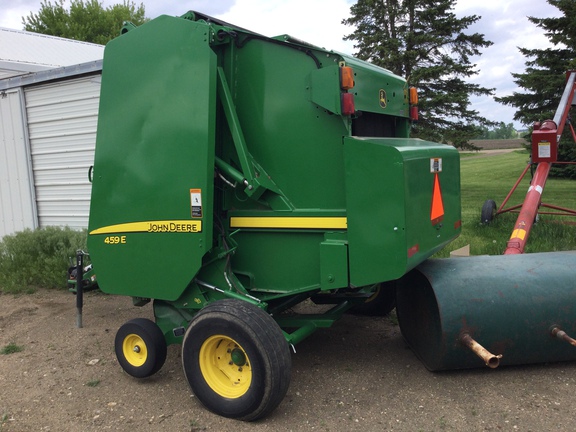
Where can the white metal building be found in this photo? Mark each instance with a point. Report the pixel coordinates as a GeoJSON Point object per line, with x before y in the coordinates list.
{"type": "Point", "coordinates": [23, 52]}
{"type": "Point", "coordinates": [49, 99]}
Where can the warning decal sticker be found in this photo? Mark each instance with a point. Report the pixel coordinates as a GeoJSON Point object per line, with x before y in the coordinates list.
{"type": "Point", "coordinates": [435, 165]}
{"type": "Point", "coordinates": [437, 210]}
{"type": "Point", "coordinates": [544, 149]}
{"type": "Point", "coordinates": [196, 202]}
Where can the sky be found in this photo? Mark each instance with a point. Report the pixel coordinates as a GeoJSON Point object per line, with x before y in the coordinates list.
{"type": "Point", "coordinates": [503, 22]}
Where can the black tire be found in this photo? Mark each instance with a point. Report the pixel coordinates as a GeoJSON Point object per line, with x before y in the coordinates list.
{"type": "Point", "coordinates": [381, 303]}
{"type": "Point", "coordinates": [236, 360]}
{"type": "Point", "coordinates": [488, 212]}
{"type": "Point", "coordinates": [140, 347]}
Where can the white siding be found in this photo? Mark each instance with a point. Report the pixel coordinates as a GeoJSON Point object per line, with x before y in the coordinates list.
{"type": "Point", "coordinates": [17, 210]}
{"type": "Point", "coordinates": [62, 119]}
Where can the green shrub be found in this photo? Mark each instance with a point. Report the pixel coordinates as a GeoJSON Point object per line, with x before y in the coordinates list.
{"type": "Point", "coordinates": [40, 258]}
{"type": "Point", "coordinates": [11, 348]}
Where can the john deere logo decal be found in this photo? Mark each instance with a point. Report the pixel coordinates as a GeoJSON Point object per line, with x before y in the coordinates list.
{"type": "Point", "coordinates": [382, 97]}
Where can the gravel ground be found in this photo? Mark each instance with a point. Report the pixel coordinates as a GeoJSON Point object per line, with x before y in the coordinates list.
{"type": "Point", "coordinates": [357, 376]}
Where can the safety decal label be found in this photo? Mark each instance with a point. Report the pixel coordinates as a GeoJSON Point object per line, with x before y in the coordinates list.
{"type": "Point", "coordinates": [196, 202]}
{"type": "Point", "coordinates": [544, 149]}
{"type": "Point", "coordinates": [435, 165]}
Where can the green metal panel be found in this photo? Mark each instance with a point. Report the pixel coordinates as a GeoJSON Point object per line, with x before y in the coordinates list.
{"type": "Point", "coordinates": [271, 261]}
{"type": "Point", "coordinates": [324, 88]}
{"type": "Point", "coordinates": [297, 142]}
{"type": "Point", "coordinates": [378, 90]}
{"type": "Point", "coordinates": [154, 159]}
{"type": "Point", "coordinates": [333, 264]}
{"type": "Point", "coordinates": [389, 194]}
{"type": "Point", "coordinates": [508, 304]}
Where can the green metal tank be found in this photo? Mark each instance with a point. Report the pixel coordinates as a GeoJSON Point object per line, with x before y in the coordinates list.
{"type": "Point", "coordinates": [519, 307]}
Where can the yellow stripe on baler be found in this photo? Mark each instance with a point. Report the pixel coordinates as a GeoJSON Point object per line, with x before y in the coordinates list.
{"type": "Point", "coordinates": [171, 226]}
{"type": "Point", "coordinates": [296, 222]}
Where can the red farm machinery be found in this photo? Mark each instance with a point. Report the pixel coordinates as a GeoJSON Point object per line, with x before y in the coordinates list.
{"type": "Point", "coordinates": [545, 141]}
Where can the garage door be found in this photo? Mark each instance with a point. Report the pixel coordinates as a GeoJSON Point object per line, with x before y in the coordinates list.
{"type": "Point", "coordinates": [62, 119]}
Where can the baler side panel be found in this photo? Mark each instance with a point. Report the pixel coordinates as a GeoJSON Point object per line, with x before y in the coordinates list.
{"type": "Point", "coordinates": [296, 141]}
{"type": "Point", "coordinates": [389, 193]}
{"type": "Point", "coordinates": [153, 171]}
{"type": "Point", "coordinates": [299, 144]}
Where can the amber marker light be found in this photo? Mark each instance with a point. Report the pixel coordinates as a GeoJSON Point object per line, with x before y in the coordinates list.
{"type": "Point", "coordinates": [413, 99]}
{"type": "Point", "coordinates": [346, 78]}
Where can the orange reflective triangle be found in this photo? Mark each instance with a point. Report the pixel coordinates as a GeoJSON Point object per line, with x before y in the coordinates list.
{"type": "Point", "coordinates": [437, 211]}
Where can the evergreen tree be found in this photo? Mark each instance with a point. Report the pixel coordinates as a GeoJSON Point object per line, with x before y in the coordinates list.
{"type": "Point", "coordinates": [425, 42]}
{"type": "Point", "coordinates": [85, 21]}
{"type": "Point", "coordinates": [545, 78]}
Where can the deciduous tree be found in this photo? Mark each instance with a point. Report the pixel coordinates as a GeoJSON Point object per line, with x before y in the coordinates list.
{"type": "Point", "coordinates": [85, 21]}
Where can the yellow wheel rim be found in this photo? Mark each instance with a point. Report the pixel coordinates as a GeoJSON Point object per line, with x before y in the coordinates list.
{"type": "Point", "coordinates": [134, 350]}
{"type": "Point", "coordinates": [225, 366]}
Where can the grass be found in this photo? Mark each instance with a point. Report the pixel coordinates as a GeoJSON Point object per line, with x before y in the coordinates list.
{"type": "Point", "coordinates": [93, 383]}
{"type": "Point", "coordinates": [195, 426]}
{"type": "Point", "coordinates": [11, 348]}
{"type": "Point", "coordinates": [3, 419]}
{"type": "Point", "coordinates": [492, 177]}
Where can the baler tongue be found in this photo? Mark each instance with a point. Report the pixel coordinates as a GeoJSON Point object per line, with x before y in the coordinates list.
{"type": "Point", "coordinates": [514, 309]}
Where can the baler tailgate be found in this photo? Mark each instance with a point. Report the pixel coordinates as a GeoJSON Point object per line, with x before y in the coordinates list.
{"type": "Point", "coordinates": [152, 206]}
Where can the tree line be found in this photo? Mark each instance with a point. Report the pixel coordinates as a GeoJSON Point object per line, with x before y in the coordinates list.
{"type": "Point", "coordinates": [500, 131]}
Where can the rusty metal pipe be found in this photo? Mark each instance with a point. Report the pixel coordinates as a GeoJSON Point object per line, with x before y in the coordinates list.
{"type": "Point", "coordinates": [491, 360]}
{"type": "Point", "coordinates": [561, 334]}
